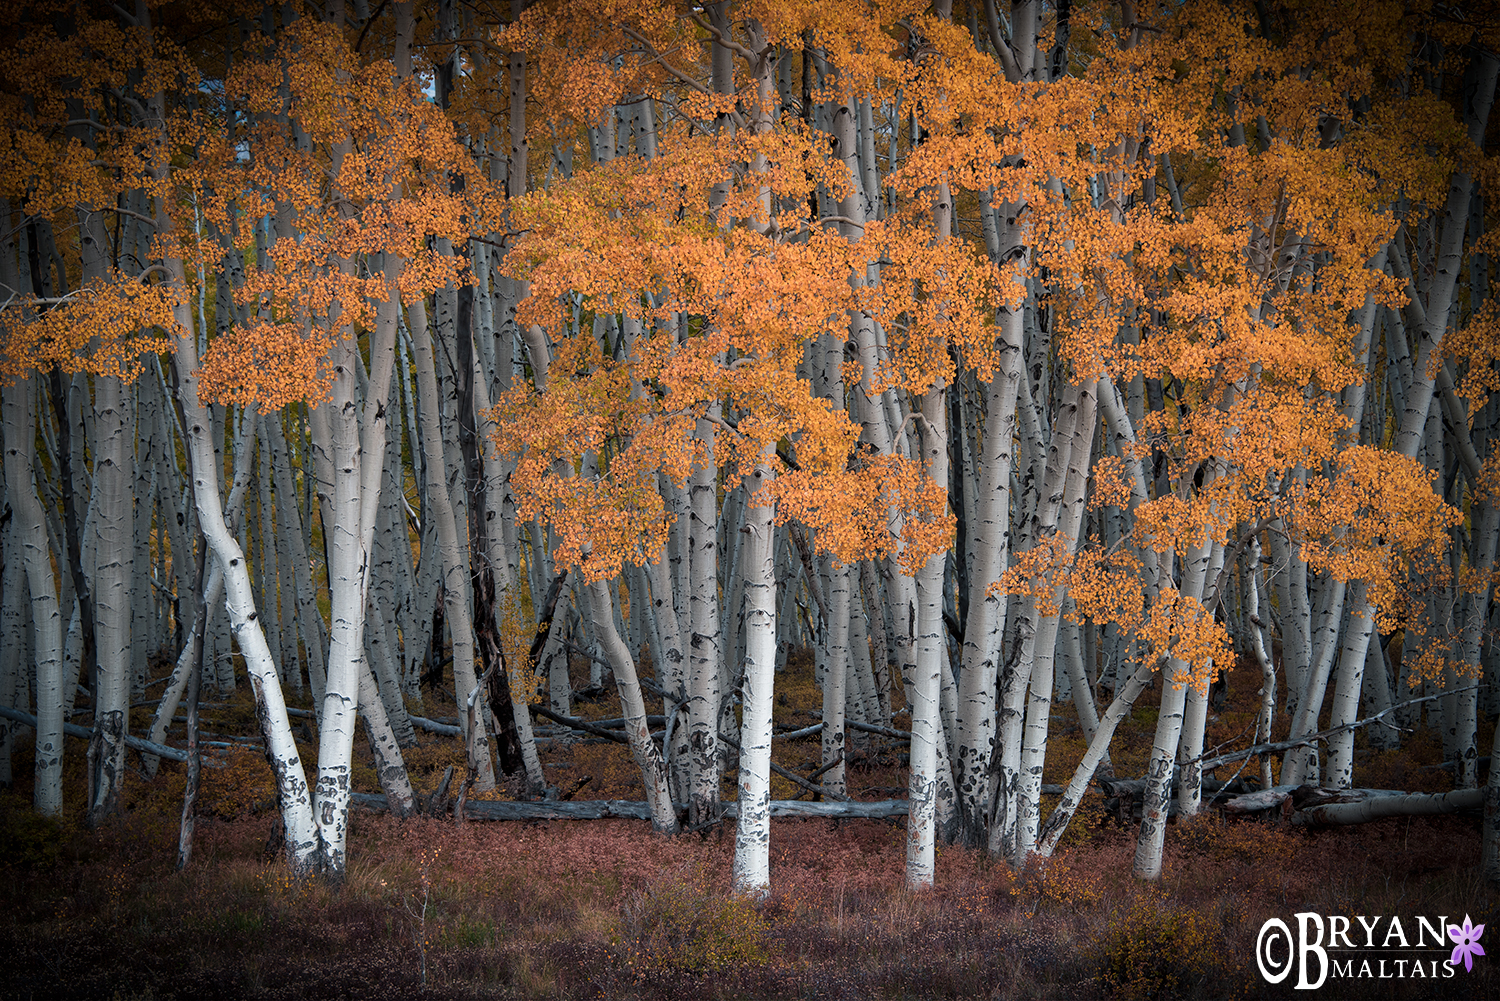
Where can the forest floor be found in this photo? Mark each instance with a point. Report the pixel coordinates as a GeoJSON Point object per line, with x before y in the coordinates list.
{"type": "Point", "coordinates": [583, 909]}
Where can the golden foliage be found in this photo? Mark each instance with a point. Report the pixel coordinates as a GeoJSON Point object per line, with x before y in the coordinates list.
{"type": "Point", "coordinates": [103, 328]}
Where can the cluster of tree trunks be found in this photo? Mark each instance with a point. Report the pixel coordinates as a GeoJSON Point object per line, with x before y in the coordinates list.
{"type": "Point", "coordinates": [361, 351]}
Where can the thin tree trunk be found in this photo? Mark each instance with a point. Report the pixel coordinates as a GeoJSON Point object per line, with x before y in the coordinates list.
{"type": "Point", "coordinates": [29, 532]}
{"type": "Point", "coordinates": [1352, 660]}
{"type": "Point", "coordinates": [985, 623]}
{"type": "Point", "coordinates": [1262, 657]}
{"type": "Point", "coordinates": [835, 680]}
{"type": "Point", "coordinates": [1194, 723]}
{"type": "Point", "coordinates": [455, 590]}
{"type": "Point", "coordinates": [926, 679]}
{"type": "Point", "coordinates": [194, 656]}
{"type": "Point", "coordinates": [507, 599]}
{"type": "Point", "coordinates": [1098, 748]}
{"type": "Point", "coordinates": [296, 804]}
{"type": "Point", "coordinates": [704, 657]}
{"type": "Point", "coordinates": [1069, 526]}
{"type": "Point", "coordinates": [642, 748]}
{"type": "Point", "coordinates": [1175, 681]}
{"type": "Point", "coordinates": [211, 594]}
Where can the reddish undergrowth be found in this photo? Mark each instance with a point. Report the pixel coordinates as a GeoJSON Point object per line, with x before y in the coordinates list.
{"type": "Point", "coordinates": [603, 909]}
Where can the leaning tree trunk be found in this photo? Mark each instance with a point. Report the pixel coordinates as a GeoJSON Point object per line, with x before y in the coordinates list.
{"type": "Point", "coordinates": [211, 594]}
{"type": "Point", "coordinates": [633, 707]}
{"type": "Point", "coordinates": [301, 835]}
{"type": "Point", "coordinates": [1057, 823]}
{"type": "Point", "coordinates": [1069, 527]}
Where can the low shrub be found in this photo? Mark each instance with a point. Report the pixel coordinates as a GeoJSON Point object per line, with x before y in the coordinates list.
{"type": "Point", "coordinates": [30, 841]}
{"type": "Point", "coordinates": [688, 925]}
{"type": "Point", "coordinates": [1157, 949]}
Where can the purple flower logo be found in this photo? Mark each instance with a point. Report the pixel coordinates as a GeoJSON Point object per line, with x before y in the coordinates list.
{"type": "Point", "coordinates": [1466, 943]}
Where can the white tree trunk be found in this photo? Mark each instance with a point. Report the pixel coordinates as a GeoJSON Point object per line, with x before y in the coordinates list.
{"type": "Point", "coordinates": [1098, 748]}
{"type": "Point", "coordinates": [1258, 646]}
{"type": "Point", "coordinates": [835, 680]}
{"type": "Point", "coordinates": [502, 564]}
{"type": "Point", "coordinates": [1352, 660]}
{"type": "Point", "coordinates": [291, 782]}
{"type": "Point", "coordinates": [986, 619]}
{"type": "Point", "coordinates": [752, 845]}
{"type": "Point", "coordinates": [309, 617]}
{"type": "Point", "coordinates": [633, 707]}
{"type": "Point", "coordinates": [14, 648]}
{"type": "Point", "coordinates": [705, 656]}
{"type": "Point", "coordinates": [1301, 763]}
{"type": "Point", "coordinates": [1175, 682]}
{"type": "Point", "coordinates": [1069, 525]}
{"type": "Point", "coordinates": [213, 590]}
{"type": "Point", "coordinates": [455, 582]}
{"type": "Point", "coordinates": [390, 769]}
{"type": "Point", "coordinates": [110, 530]}
{"type": "Point", "coordinates": [187, 663]}
{"type": "Point", "coordinates": [926, 678]}
{"type": "Point", "coordinates": [1194, 723]}
{"type": "Point", "coordinates": [29, 533]}
{"type": "Point", "coordinates": [346, 575]}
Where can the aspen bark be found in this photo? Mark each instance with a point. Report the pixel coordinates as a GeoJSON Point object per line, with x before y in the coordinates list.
{"type": "Point", "coordinates": [1068, 528]}
{"type": "Point", "coordinates": [110, 537]}
{"type": "Point", "coordinates": [301, 835]}
{"type": "Point", "coordinates": [1195, 717]}
{"type": "Point", "coordinates": [642, 747]}
{"type": "Point", "coordinates": [29, 533]}
{"type": "Point", "coordinates": [501, 563]}
{"type": "Point", "coordinates": [1057, 822]}
{"type": "Point", "coordinates": [925, 679]}
{"type": "Point", "coordinates": [985, 622]}
{"type": "Point", "coordinates": [1175, 681]}
{"type": "Point", "coordinates": [705, 655]}
{"type": "Point", "coordinates": [455, 584]}
{"type": "Point", "coordinates": [752, 845]}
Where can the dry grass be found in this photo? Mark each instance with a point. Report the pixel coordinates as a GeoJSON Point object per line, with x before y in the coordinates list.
{"type": "Point", "coordinates": [602, 909]}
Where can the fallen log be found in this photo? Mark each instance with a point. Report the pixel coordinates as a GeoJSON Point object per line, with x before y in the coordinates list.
{"type": "Point", "coordinates": [1262, 799]}
{"type": "Point", "coordinates": [83, 733]}
{"type": "Point", "coordinates": [1303, 797]}
{"type": "Point", "coordinates": [806, 731]}
{"type": "Point", "coordinates": [884, 731]}
{"type": "Point", "coordinates": [605, 809]}
{"type": "Point", "coordinates": [1208, 763]}
{"type": "Point", "coordinates": [582, 725]}
{"type": "Point", "coordinates": [1417, 804]}
{"type": "Point", "coordinates": [433, 726]}
{"type": "Point", "coordinates": [618, 722]}
{"type": "Point", "coordinates": [1125, 799]}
